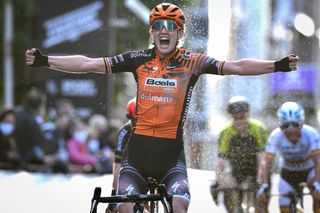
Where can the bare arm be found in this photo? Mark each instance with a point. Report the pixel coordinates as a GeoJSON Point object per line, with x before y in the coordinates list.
{"type": "Point", "coordinates": [316, 160]}
{"type": "Point", "coordinates": [116, 171]}
{"type": "Point", "coordinates": [265, 168]}
{"type": "Point", "coordinates": [219, 168]}
{"type": "Point", "coordinates": [73, 64]}
{"type": "Point", "coordinates": [251, 66]}
{"type": "Point", "coordinates": [77, 64]}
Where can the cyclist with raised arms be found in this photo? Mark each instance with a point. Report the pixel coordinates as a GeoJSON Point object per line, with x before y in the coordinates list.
{"type": "Point", "coordinates": [299, 148]}
{"type": "Point", "coordinates": [165, 76]}
{"type": "Point", "coordinates": [240, 143]}
{"type": "Point", "coordinates": [122, 139]}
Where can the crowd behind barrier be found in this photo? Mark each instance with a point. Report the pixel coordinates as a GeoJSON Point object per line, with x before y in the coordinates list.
{"type": "Point", "coordinates": [34, 140]}
{"type": "Point", "coordinates": [57, 142]}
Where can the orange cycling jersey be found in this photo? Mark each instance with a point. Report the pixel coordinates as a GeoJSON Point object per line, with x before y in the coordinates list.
{"type": "Point", "coordinates": [164, 87]}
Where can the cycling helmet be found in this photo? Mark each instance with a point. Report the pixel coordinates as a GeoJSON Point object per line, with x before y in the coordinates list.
{"type": "Point", "coordinates": [238, 105]}
{"type": "Point", "coordinates": [290, 112]}
{"type": "Point", "coordinates": [167, 11]}
{"type": "Point", "coordinates": [131, 109]}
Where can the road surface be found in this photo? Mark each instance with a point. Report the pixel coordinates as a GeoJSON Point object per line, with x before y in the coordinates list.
{"type": "Point", "coordinates": [39, 193]}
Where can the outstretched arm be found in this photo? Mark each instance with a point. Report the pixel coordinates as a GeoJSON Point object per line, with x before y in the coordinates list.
{"type": "Point", "coordinates": [250, 66]}
{"type": "Point", "coordinates": [73, 64]}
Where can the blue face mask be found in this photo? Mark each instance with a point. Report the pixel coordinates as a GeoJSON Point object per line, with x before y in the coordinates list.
{"type": "Point", "coordinates": [6, 128]}
{"type": "Point", "coordinates": [81, 136]}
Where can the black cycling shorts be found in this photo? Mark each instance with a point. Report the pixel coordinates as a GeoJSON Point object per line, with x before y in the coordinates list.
{"type": "Point", "coordinates": [161, 159]}
{"type": "Point", "coordinates": [294, 178]}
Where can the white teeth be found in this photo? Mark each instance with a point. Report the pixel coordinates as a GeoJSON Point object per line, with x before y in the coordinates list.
{"type": "Point", "coordinates": [164, 39]}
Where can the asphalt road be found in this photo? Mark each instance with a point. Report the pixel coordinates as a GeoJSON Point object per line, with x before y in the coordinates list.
{"type": "Point", "coordinates": [38, 193]}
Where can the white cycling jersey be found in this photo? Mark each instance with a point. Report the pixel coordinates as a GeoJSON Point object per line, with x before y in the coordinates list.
{"type": "Point", "coordinates": [295, 157]}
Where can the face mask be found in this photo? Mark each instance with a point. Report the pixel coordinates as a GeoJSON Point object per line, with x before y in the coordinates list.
{"type": "Point", "coordinates": [6, 128]}
{"type": "Point", "coordinates": [81, 136]}
{"type": "Point", "coordinates": [94, 146]}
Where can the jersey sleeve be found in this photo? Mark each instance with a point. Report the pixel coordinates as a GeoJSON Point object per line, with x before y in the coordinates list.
{"type": "Point", "coordinates": [121, 142]}
{"type": "Point", "coordinates": [126, 62]}
{"type": "Point", "coordinates": [223, 142]}
{"type": "Point", "coordinates": [120, 145]}
{"type": "Point", "coordinates": [209, 65]}
{"type": "Point", "coordinates": [272, 145]}
{"type": "Point", "coordinates": [315, 142]}
{"type": "Point", "coordinates": [260, 133]}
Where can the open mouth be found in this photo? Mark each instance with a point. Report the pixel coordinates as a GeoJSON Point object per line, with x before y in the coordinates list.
{"type": "Point", "coordinates": [164, 41]}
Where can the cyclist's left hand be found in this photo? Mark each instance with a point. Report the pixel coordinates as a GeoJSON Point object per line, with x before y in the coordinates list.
{"type": "Point", "coordinates": [214, 192]}
{"type": "Point", "coordinates": [262, 194]}
{"type": "Point", "coordinates": [112, 208]}
{"type": "Point", "coordinates": [262, 199]}
{"type": "Point", "coordinates": [287, 64]}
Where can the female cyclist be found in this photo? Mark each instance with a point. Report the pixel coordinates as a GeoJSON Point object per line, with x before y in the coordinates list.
{"type": "Point", "coordinates": [165, 76]}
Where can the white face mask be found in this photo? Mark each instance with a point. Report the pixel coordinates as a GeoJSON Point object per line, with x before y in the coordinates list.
{"type": "Point", "coordinates": [81, 136]}
{"type": "Point", "coordinates": [94, 145]}
{"type": "Point", "coordinates": [6, 128]}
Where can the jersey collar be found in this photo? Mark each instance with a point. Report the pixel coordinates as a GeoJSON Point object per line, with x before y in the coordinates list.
{"type": "Point", "coordinates": [173, 54]}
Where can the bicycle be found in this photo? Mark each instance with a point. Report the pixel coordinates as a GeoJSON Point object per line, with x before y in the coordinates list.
{"type": "Point", "coordinates": [138, 199]}
{"type": "Point", "coordinates": [246, 201]}
{"type": "Point", "coordinates": [296, 198]}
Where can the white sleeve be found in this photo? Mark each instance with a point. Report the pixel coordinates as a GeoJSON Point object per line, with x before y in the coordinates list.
{"type": "Point", "coordinates": [315, 140]}
{"type": "Point", "coordinates": [273, 142]}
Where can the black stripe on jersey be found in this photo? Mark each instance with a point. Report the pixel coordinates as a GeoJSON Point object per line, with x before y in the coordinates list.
{"type": "Point", "coordinates": [186, 105]}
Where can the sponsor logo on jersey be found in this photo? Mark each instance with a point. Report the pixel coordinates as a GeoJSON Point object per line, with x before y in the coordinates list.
{"type": "Point", "coordinates": [154, 69]}
{"type": "Point", "coordinates": [171, 67]}
{"type": "Point", "coordinates": [161, 82]}
{"type": "Point", "coordinates": [187, 105]}
{"type": "Point", "coordinates": [139, 54]}
{"type": "Point", "coordinates": [161, 85]}
{"type": "Point", "coordinates": [157, 98]}
{"type": "Point", "coordinates": [186, 56]}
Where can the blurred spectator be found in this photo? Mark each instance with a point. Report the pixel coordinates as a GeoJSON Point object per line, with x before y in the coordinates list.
{"type": "Point", "coordinates": [99, 126]}
{"type": "Point", "coordinates": [64, 107]}
{"type": "Point", "coordinates": [29, 136]}
{"type": "Point", "coordinates": [102, 151]}
{"type": "Point", "coordinates": [54, 148]}
{"type": "Point", "coordinates": [35, 138]}
{"type": "Point", "coordinates": [77, 146]}
{"type": "Point", "coordinates": [64, 113]}
{"type": "Point", "coordinates": [8, 149]}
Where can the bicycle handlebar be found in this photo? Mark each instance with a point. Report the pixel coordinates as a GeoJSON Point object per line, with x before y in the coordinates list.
{"type": "Point", "coordinates": [230, 189]}
{"type": "Point", "coordinates": [130, 198]}
{"type": "Point", "coordinates": [289, 194]}
{"type": "Point", "coordinates": [164, 197]}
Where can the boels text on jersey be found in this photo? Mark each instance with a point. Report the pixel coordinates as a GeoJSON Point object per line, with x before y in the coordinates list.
{"type": "Point", "coordinates": [164, 87]}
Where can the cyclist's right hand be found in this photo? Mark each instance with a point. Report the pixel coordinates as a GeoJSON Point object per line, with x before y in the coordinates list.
{"type": "Point", "coordinates": [112, 208]}
{"type": "Point", "coordinates": [35, 58]}
{"type": "Point", "coordinates": [214, 192]}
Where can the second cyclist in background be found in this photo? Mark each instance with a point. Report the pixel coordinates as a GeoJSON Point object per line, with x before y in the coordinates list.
{"type": "Point", "coordinates": [122, 139]}
{"type": "Point", "coordinates": [240, 143]}
{"type": "Point", "coordinates": [299, 148]}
